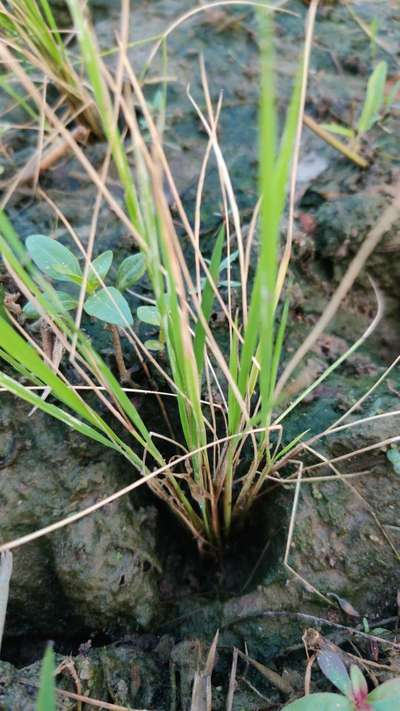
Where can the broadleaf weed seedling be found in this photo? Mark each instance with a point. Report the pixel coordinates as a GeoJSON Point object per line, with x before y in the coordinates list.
{"type": "Point", "coordinates": [105, 303]}
{"type": "Point", "coordinates": [354, 694]}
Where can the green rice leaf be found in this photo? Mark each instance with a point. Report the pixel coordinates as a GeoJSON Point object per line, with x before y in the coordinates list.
{"type": "Point", "coordinates": [233, 405]}
{"type": "Point", "coordinates": [207, 300]}
{"type": "Point", "coordinates": [278, 349]}
{"type": "Point", "coordinates": [19, 367]}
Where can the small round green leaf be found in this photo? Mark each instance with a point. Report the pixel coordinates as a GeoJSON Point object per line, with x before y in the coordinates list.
{"type": "Point", "coordinates": [153, 345]}
{"type": "Point", "coordinates": [30, 311]}
{"type": "Point", "coordinates": [61, 303]}
{"type": "Point", "coordinates": [130, 271]}
{"type": "Point", "coordinates": [101, 266]}
{"type": "Point", "coordinates": [393, 455]}
{"type": "Point", "coordinates": [52, 258]}
{"type": "Point", "coordinates": [110, 306]}
{"type": "Point", "coordinates": [149, 314]}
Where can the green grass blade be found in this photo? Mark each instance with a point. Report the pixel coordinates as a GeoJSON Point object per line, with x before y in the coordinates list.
{"type": "Point", "coordinates": [278, 349]}
{"type": "Point", "coordinates": [20, 100]}
{"type": "Point", "coordinates": [142, 435]}
{"type": "Point", "coordinates": [46, 700]}
{"type": "Point", "coordinates": [284, 158]}
{"type": "Point", "coordinates": [208, 299]}
{"type": "Point", "coordinates": [19, 367]}
{"type": "Point", "coordinates": [268, 187]}
{"type": "Point", "coordinates": [91, 56]}
{"type": "Point", "coordinates": [290, 446]}
{"type": "Point", "coordinates": [22, 351]}
{"type": "Point", "coordinates": [374, 99]}
{"type": "Point", "coordinates": [50, 19]}
{"type": "Point", "coordinates": [260, 317]}
{"type": "Point", "coordinates": [273, 187]}
{"type": "Point", "coordinates": [58, 413]}
{"type": "Point", "coordinates": [233, 405]}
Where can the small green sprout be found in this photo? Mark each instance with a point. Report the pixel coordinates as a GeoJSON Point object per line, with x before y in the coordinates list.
{"type": "Point", "coordinates": [46, 700]}
{"type": "Point", "coordinates": [224, 265]}
{"type": "Point", "coordinates": [376, 104]}
{"type": "Point", "coordinates": [354, 688]}
{"type": "Point", "coordinates": [151, 316]}
{"type": "Point", "coordinates": [393, 455]}
{"type": "Point", "coordinates": [374, 99]}
{"type": "Point", "coordinates": [105, 303]}
{"type": "Point", "coordinates": [130, 271]}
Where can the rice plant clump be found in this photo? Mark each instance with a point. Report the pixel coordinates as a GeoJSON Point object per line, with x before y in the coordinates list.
{"type": "Point", "coordinates": [230, 402]}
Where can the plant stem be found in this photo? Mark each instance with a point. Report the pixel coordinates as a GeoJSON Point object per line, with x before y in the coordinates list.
{"type": "Point", "coordinates": [124, 374]}
{"type": "Point", "coordinates": [228, 485]}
